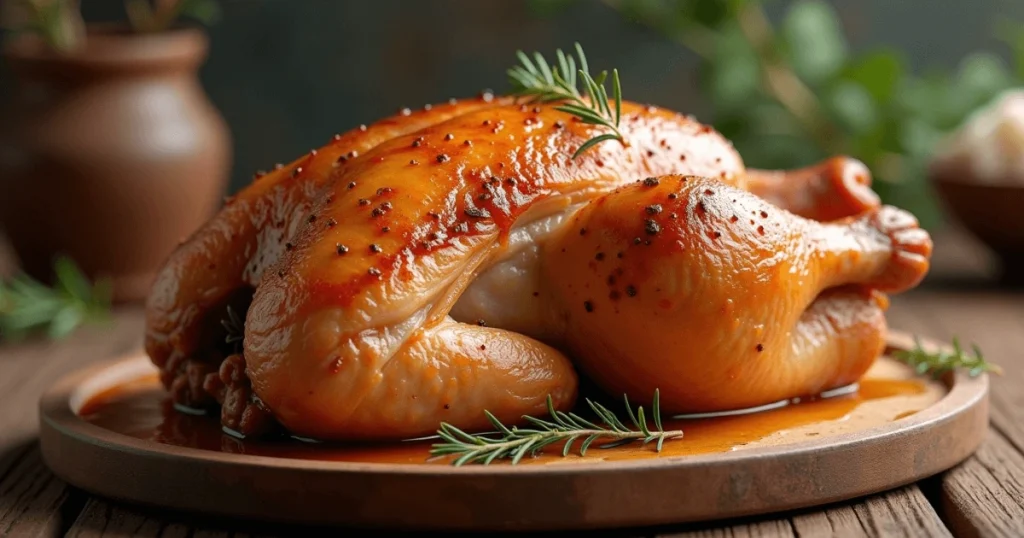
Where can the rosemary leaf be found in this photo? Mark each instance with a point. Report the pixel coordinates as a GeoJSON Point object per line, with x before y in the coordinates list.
{"type": "Point", "coordinates": [27, 305]}
{"type": "Point", "coordinates": [593, 142]}
{"type": "Point", "coordinates": [538, 80]}
{"type": "Point", "coordinates": [587, 442]}
{"type": "Point", "coordinates": [940, 362]}
{"type": "Point", "coordinates": [517, 443]}
{"type": "Point", "coordinates": [568, 444]}
{"type": "Point", "coordinates": [656, 410]}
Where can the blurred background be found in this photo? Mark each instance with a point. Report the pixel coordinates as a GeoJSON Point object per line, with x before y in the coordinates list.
{"type": "Point", "coordinates": [790, 82]}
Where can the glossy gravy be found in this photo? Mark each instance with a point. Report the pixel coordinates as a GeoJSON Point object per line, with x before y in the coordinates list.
{"type": "Point", "coordinates": [142, 409]}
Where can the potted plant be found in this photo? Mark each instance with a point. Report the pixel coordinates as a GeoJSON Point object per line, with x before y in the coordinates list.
{"type": "Point", "coordinates": [110, 151]}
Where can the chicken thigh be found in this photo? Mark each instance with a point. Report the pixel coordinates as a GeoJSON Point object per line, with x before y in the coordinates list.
{"type": "Point", "coordinates": [721, 300]}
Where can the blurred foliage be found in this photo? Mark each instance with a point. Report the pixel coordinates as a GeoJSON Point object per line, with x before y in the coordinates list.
{"type": "Point", "coordinates": [159, 15]}
{"type": "Point", "coordinates": [59, 22]}
{"type": "Point", "coordinates": [27, 305]}
{"type": "Point", "coordinates": [792, 93]}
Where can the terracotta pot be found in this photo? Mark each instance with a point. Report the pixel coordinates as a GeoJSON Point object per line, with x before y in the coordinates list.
{"type": "Point", "coordinates": [991, 212]}
{"type": "Point", "coordinates": [111, 155]}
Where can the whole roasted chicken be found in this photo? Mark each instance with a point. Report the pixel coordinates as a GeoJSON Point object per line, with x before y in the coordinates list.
{"type": "Point", "coordinates": [462, 258]}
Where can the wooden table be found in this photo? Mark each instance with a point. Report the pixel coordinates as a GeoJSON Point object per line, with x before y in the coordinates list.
{"type": "Point", "coordinates": [982, 497]}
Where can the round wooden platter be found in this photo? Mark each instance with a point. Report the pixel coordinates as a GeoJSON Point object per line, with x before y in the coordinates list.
{"type": "Point", "coordinates": [767, 477]}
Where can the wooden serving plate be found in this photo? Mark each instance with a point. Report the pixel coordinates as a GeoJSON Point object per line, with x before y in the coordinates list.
{"type": "Point", "coordinates": [875, 445]}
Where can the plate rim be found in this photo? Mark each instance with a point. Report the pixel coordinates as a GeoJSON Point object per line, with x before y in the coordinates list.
{"type": "Point", "coordinates": [965, 405]}
{"type": "Point", "coordinates": [55, 409]}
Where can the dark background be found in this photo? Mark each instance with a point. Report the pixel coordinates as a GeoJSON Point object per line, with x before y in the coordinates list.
{"type": "Point", "coordinates": [288, 74]}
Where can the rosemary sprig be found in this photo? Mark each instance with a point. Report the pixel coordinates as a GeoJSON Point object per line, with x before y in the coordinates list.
{"type": "Point", "coordinates": [26, 304]}
{"type": "Point", "coordinates": [939, 362]}
{"type": "Point", "coordinates": [515, 443]}
{"type": "Point", "coordinates": [541, 82]}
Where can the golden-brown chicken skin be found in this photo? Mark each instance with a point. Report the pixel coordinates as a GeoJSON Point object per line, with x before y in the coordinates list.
{"type": "Point", "coordinates": [402, 274]}
{"type": "Point", "coordinates": [722, 300]}
{"type": "Point", "coordinates": [349, 336]}
{"type": "Point", "coordinates": [224, 261]}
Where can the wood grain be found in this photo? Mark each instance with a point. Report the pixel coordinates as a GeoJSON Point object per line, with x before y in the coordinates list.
{"type": "Point", "coordinates": [985, 495]}
{"type": "Point", "coordinates": [902, 512]}
{"type": "Point", "coordinates": [32, 501]}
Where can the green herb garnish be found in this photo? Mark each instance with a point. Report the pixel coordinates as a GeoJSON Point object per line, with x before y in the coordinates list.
{"type": "Point", "coordinates": [544, 83]}
{"type": "Point", "coordinates": [27, 305]}
{"type": "Point", "coordinates": [939, 362]}
{"type": "Point", "coordinates": [515, 443]}
{"type": "Point", "coordinates": [234, 328]}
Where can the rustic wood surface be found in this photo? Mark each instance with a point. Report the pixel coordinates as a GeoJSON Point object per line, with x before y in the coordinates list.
{"type": "Point", "coordinates": [982, 497]}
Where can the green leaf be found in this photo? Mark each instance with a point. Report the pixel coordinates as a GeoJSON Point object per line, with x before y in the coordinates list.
{"type": "Point", "coordinates": [71, 279]}
{"type": "Point", "coordinates": [1012, 33]}
{"type": "Point", "coordinates": [593, 142]}
{"type": "Point", "coordinates": [853, 107]}
{"type": "Point", "coordinates": [777, 151]}
{"type": "Point", "coordinates": [66, 320]}
{"type": "Point", "coordinates": [205, 11]}
{"type": "Point", "coordinates": [814, 40]}
{"type": "Point", "coordinates": [918, 137]}
{"type": "Point", "coordinates": [733, 74]}
{"type": "Point", "coordinates": [879, 72]}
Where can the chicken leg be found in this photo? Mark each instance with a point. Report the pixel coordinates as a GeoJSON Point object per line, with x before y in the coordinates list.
{"type": "Point", "coordinates": [719, 299]}
{"type": "Point", "coordinates": [832, 189]}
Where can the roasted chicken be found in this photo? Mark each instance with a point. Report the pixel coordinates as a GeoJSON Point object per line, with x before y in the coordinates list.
{"type": "Point", "coordinates": [459, 258]}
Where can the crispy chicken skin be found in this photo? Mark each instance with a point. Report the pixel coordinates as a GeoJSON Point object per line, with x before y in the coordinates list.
{"type": "Point", "coordinates": [722, 300]}
{"type": "Point", "coordinates": [350, 336]}
{"type": "Point", "coordinates": [224, 261]}
{"type": "Point", "coordinates": [435, 264]}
